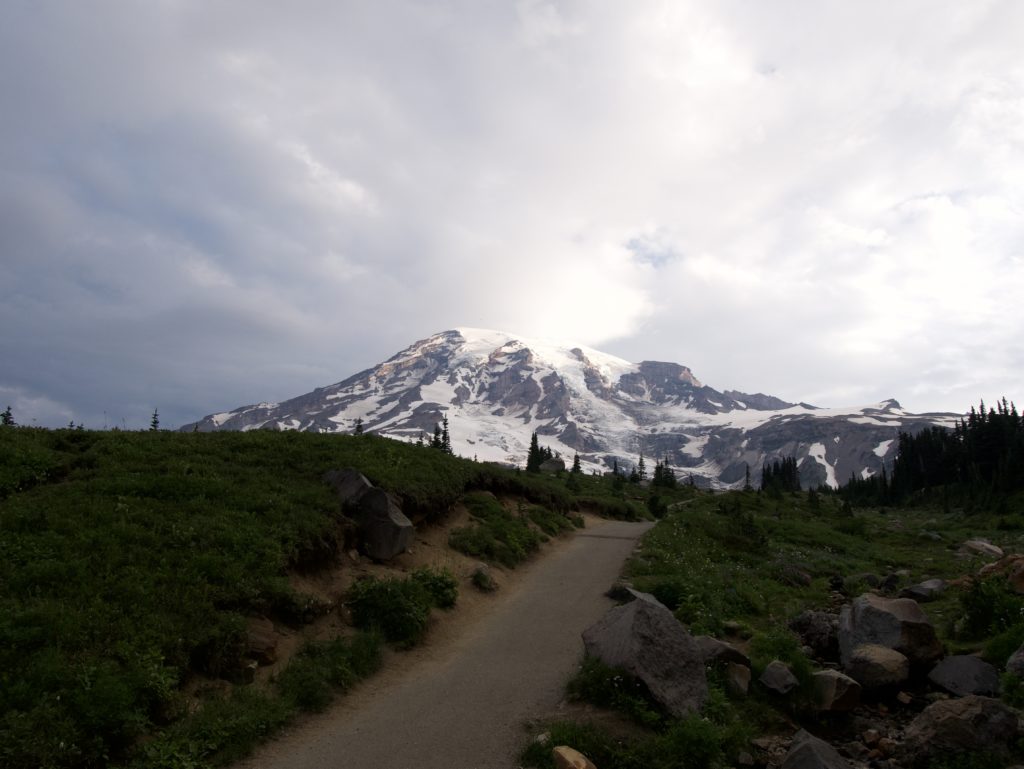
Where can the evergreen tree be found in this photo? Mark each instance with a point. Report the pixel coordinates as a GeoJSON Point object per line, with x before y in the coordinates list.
{"type": "Point", "coordinates": [359, 426]}
{"type": "Point", "coordinates": [746, 481]}
{"type": "Point", "coordinates": [641, 469]}
{"type": "Point", "coordinates": [154, 421]}
{"type": "Point", "coordinates": [446, 441]}
{"type": "Point", "coordinates": [7, 418]}
{"type": "Point", "coordinates": [576, 469]}
{"type": "Point", "coordinates": [435, 442]}
{"type": "Point", "coordinates": [535, 457]}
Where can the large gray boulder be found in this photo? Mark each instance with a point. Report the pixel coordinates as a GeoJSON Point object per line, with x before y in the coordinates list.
{"type": "Point", "coordinates": [384, 531]}
{"type": "Point", "coordinates": [810, 752]}
{"type": "Point", "coordinates": [874, 666]}
{"type": "Point", "coordinates": [963, 725]}
{"type": "Point", "coordinates": [349, 484]}
{"type": "Point", "coordinates": [965, 674]}
{"type": "Point", "coordinates": [643, 638]}
{"type": "Point", "coordinates": [896, 623]}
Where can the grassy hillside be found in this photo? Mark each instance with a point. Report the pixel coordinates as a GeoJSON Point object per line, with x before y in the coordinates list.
{"type": "Point", "coordinates": [130, 562]}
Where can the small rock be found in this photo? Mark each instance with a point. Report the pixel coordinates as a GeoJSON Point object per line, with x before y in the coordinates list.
{"type": "Point", "coordinates": [737, 679]}
{"type": "Point", "coordinates": [744, 759]}
{"type": "Point", "coordinates": [1016, 577]}
{"type": "Point", "coordinates": [887, 746]}
{"type": "Point", "coordinates": [871, 737]}
{"type": "Point", "coordinates": [809, 752]}
{"type": "Point", "coordinates": [777, 677]}
{"type": "Point", "coordinates": [896, 623]}
{"type": "Point", "coordinates": [568, 758]}
{"type": "Point", "coordinates": [904, 698]}
{"type": "Point", "coordinates": [1015, 664]}
{"type": "Point", "coordinates": [261, 641]}
{"type": "Point", "coordinates": [717, 652]}
{"type": "Point", "coordinates": [964, 674]}
{"type": "Point", "coordinates": [353, 555]}
{"type": "Point", "coordinates": [835, 692]}
{"type": "Point", "coordinates": [794, 576]}
{"type": "Point", "coordinates": [731, 627]}
{"type": "Point", "coordinates": [980, 547]}
{"type": "Point", "coordinates": [889, 584]}
{"type": "Point", "coordinates": [925, 591]}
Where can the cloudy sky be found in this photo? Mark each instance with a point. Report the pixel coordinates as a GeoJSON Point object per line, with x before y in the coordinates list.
{"type": "Point", "coordinates": [208, 204]}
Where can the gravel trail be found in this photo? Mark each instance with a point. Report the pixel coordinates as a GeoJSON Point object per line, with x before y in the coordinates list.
{"type": "Point", "coordinates": [463, 704]}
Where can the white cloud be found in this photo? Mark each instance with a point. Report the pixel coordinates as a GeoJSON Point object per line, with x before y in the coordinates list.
{"type": "Point", "coordinates": [817, 200]}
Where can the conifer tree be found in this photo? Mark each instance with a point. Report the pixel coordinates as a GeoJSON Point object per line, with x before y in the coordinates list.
{"type": "Point", "coordinates": [359, 426]}
{"type": "Point", "coordinates": [154, 421]}
{"type": "Point", "coordinates": [435, 442]}
{"type": "Point", "coordinates": [641, 469]}
{"type": "Point", "coordinates": [576, 469]}
{"type": "Point", "coordinates": [7, 418]}
{"type": "Point", "coordinates": [535, 457]}
{"type": "Point", "coordinates": [446, 441]}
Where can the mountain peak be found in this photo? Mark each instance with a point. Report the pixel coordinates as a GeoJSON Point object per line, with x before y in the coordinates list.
{"type": "Point", "coordinates": [497, 388]}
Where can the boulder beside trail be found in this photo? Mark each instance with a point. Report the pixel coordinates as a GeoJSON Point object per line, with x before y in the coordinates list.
{"type": "Point", "coordinates": [717, 652]}
{"type": "Point", "coordinates": [383, 529]}
{"type": "Point", "coordinates": [965, 674]}
{"type": "Point", "coordinates": [810, 752]}
{"type": "Point", "coordinates": [962, 725]}
{"type": "Point", "coordinates": [980, 547]}
{"type": "Point", "coordinates": [643, 638]}
{"type": "Point", "coordinates": [1015, 664]}
{"type": "Point", "coordinates": [896, 623]}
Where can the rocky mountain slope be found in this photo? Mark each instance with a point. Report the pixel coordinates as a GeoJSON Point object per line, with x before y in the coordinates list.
{"type": "Point", "coordinates": [497, 389]}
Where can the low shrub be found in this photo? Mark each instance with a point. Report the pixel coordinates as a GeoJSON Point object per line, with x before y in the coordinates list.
{"type": "Point", "coordinates": [989, 607]}
{"type": "Point", "coordinates": [607, 687]}
{"type": "Point", "coordinates": [398, 608]}
{"type": "Point", "coordinates": [440, 584]}
{"type": "Point", "coordinates": [496, 535]}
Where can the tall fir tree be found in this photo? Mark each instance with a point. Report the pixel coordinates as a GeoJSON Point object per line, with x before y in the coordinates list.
{"type": "Point", "coordinates": [446, 439]}
{"type": "Point", "coordinates": [576, 469]}
{"type": "Point", "coordinates": [535, 456]}
{"type": "Point", "coordinates": [154, 421]}
{"type": "Point", "coordinates": [7, 418]}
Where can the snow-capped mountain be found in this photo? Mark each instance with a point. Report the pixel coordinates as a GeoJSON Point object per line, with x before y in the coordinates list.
{"type": "Point", "coordinates": [497, 389]}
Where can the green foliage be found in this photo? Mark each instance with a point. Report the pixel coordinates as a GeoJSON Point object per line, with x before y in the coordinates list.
{"type": "Point", "coordinates": [440, 584]}
{"type": "Point", "coordinates": [496, 534]}
{"type": "Point", "coordinates": [990, 607]}
{"type": "Point", "coordinates": [612, 507]}
{"type": "Point", "coordinates": [320, 669]}
{"type": "Point", "coordinates": [1001, 646]}
{"type": "Point", "coordinates": [482, 580]}
{"type": "Point", "coordinates": [607, 687]}
{"type": "Point", "coordinates": [549, 522]}
{"type": "Point", "coordinates": [398, 608]}
{"type": "Point", "coordinates": [1012, 687]}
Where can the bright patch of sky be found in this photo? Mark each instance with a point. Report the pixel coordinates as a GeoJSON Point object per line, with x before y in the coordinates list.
{"type": "Point", "coordinates": [207, 205]}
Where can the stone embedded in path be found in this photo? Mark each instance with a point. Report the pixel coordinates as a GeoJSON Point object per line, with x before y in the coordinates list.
{"type": "Point", "coordinates": [963, 725]}
{"type": "Point", "coordinates": [569, 758]}
{"type": "Point", "coordinates": [965, 674]}
{"type": "Point", "coordinates": [810, 752]}
{"type": "Point", "coordinates": [896, 623]}
{"type": "Point", "coordinates": [643, 638]}
{"type": "Point", "coordinates": [777, 677]}
{"type": "Point", "coordinates": [835, 692]}
{"type": "Point", "coordinates": [874, 666]}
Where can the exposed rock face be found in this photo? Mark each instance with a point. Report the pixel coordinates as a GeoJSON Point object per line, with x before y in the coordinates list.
{"type": "Point", "coordinates": [820, 631]}
{"type": "Point", "coordinates": [644, 639]}
{"type": "Point", "coordinates": [497, 389]}
{"type": "Point", "coordinates": [961, 725]}
{"type": "Point", "coordinates": [925, 591]}
{"type": "Point", "coordinates": [809, 752]}
{"type": "Point", "coordinates": [965, 674]}
{"type": "Point", "coordinates": [778, 678]}
{"type": "Point", "coordinates": [896, 623]}
{"type": "Point", "coordinates": [874, 666]}
{"type": "Point", "coordinates": [835, 692]}
{"type": "Point", "coordinates": [717, 652]}
{"type": "Point", "coordinates": [349, 483]}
